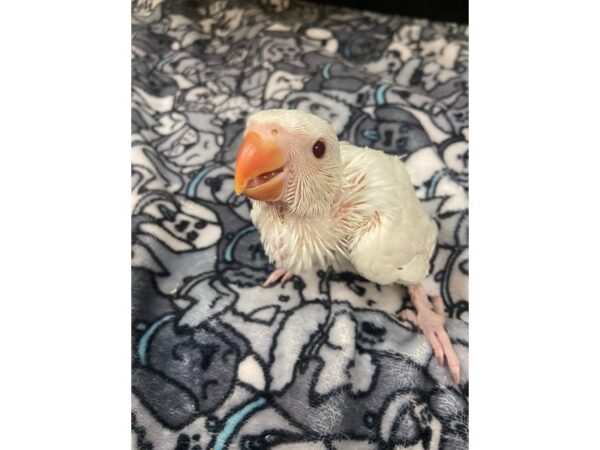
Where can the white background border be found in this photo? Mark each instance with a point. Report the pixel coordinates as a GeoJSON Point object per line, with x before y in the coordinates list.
{"type": "Point", "coordinates": [65, 226]}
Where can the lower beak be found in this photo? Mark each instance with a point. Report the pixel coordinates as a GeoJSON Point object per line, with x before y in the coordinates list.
{"type": "Point", "coordinates": [259, 168]}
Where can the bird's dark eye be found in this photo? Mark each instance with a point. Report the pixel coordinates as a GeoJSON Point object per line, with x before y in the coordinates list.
{"type": "Point", "coordinates": [319, 149]}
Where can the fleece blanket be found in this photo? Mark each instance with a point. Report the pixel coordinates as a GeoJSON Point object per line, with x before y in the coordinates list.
{"type": "Point", "coordinates": [320, 361]}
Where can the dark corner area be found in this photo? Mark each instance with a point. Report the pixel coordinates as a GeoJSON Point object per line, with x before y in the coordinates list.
{"type": "Point", "coordinates": [437, 10]}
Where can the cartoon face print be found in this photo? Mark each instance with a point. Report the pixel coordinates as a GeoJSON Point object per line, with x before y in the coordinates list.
{"type": "Point", "coordinates": [201, 298]}
{"type": "Point", "coordinates": [409, 33]}
{"type": "Point", "coordinates": [432, 74]}
{"type": "Point", "coordinates": [156, 89]}
{"type": "Point", "coordinates": [321, 39]}
{"type": "Point", "coordinates": [419, 428]}
{"type": "Point", "coordinates": [229, 22]}
{"type": "Point", "coordinates": [459, 117]}
{"type": "Point", "coordinates": [362, 48]}
{"type": "Point", "coordinates": [183, 145]}
{"type": "Point", "coordinates": [281, 83]}
{"type": "Point", "coordinates": [394, 130]}
{"type": "Point", "coordinates": [194, 149]}
{"type": "Point", "coordinates": [450, 272]}
{"type": "Point", "coordinates": [392, 59]}
{"type": "Point", "coordinates": [185, 66]}
{"type": "Point", "coordinates": [412, 97]}
{"type": "Point", "coordinates": [181, 224]}
{"type": "Point", "coordinates": [147, 43]}
{"type": "Point", "coordinates": [358, 292]}
{"type": "Point", "coordinates": [253, 84]}
{"type": "Point", "coordinates": [365, 294]}
{"type": "Point", "coordinates": [360, 97]}
{"type": "Point", "coordinates": [279, 49]}
{"type": "Point", "coordinates": [234, 108]}
{"type": "Point", "coordinates": [217, 46]}
{"type": "Point", "coordinates": [253, 300]}
{"type": "Point", "coordinates": [179, 28]}
{"type": "Point", "coordinates": [215, 184]}
{"type": "Point", "coordinates": [169, 123]}
{"type": "Point", "coordinates": [394, 136]}
{"type": "Point", "coordinates": [146, 11]}
{"type": "Point", "coordinates": [143, 177]}
{"type": "Point", "coordinates": [255, 23]}
{"type": "Point", "coordinates": [431, 179]}
{"type": "Point", "coordinates": [332, 110]}
{"type": "Point", "coordinates": [238, 54]}
{"type": "Point", "coordinates": [450, 90]}
{"type": "Point", "coordinates": [203, 362]}
{"type": "Point", "coordinates": [399, 131]}
{"type": "Point", "coordinates": [276, 5]}
{"type": "Point", "coordinates": [445, 53]}
{"type": "Point", "coordinates": [199, 99]}
{"type": "Point", "coordinates": [456, 157]}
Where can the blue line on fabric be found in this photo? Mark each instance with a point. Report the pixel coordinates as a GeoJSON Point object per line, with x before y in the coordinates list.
{"type": "Point", "coordinates": [238, 236]}
{"type": "Point", "coordinates": [165, 60]}
{"type": "Point", "coordinates": [191, 190]}
{"type": "Point", "coordinates": [380, 94]}
{"type": "Point", "coordinates": [222, 441]}
{"type": "Point", "coordinates": [346, 50]}
{"type": "Point", "coordinates": [371, 135]}
{"type": "Point", "coordinates": [434, 182]}
{"type": "Point", "coordinates": [143, 344]}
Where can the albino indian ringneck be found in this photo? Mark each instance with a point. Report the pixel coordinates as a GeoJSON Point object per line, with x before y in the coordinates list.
{"type": "Point", "coordinates": [318, 202]}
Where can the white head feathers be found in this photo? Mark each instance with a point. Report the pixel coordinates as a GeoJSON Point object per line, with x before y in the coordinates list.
{"type": "Point", "coordinates": [312, 184]}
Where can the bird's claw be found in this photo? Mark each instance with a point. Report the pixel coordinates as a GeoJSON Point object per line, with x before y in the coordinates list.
{"type": "Point", "coordinates": [276, 275]}
{"type": "Point", "coordinates": [431, 322]}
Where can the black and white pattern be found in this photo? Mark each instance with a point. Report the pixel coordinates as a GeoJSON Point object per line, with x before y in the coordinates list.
{"type": "Point", "coordinates": [318, 362]}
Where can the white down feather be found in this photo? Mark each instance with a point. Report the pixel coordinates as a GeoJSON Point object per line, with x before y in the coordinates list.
{"type": "Point", "coordinates": [376, 226]}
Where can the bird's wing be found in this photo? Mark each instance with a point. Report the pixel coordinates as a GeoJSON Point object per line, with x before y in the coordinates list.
{"type": "Point", "coordinates": [394, 243]}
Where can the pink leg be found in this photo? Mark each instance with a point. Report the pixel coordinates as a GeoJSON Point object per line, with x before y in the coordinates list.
{"type": "Point", "coordinates": [276, 275]}
{"type": "Point", "coordinates": [289, 274]}
{"type": "Point", "coordinates": [431, 321]}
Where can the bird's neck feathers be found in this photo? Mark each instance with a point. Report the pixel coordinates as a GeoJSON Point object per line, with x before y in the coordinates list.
{"type": "Point", "coordinates": [313, 193]}
{"type": "Point", "coordinates": [309, 197]}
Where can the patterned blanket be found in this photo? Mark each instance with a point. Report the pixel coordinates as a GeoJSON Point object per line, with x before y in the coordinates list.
{"type": "Point", "coordinates": [320, 361]}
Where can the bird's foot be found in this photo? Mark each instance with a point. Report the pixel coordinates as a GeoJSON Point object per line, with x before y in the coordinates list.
{"type": "Point", "coordinates": [276, 275]}
{"type": "Point", "coordinates": [430, 319]}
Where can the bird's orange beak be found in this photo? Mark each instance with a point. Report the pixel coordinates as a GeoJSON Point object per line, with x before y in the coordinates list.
{"type": "Point", "coordinates": [259, 168]}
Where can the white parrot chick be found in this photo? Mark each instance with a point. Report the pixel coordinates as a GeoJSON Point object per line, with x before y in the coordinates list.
{"type": "Point", "coordinates": [321, 203]}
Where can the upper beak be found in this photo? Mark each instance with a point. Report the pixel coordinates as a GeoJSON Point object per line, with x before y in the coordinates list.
{"type": "Point", "coordinates": [258, 169]}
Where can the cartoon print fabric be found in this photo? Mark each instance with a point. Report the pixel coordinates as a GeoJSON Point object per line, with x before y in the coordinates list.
{"type": "Point", "coordinates": [321, 361]}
